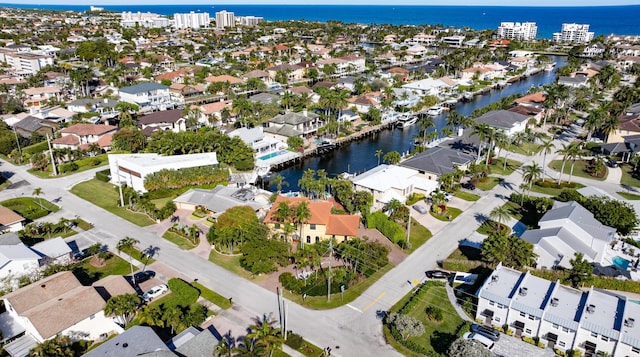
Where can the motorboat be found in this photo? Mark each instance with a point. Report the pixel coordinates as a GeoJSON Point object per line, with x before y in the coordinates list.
{"type": "Point", "coordinates": [406, 121]}
{"type": "Point", "coordinates": [435, 111]}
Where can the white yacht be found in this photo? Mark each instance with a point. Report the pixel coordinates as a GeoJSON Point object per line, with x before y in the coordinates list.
{"type": "Point", "coordinates": [435, 111]}
{"type": "Point", "coordinates": [406, 121]}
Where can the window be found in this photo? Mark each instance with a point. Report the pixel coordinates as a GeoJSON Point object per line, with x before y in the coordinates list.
{"type": "Point", "coordinates": [317, 239]}
{"type": "Point", "coordinates": [635, 350]}
{"type": "Point", "coordinates": [561, 343]}
{"type": "Point", "coordinates": [496, 319]}
{"type": "Point", "coordinates": [594, 334]}
{"type": "Point", "coordinates": [491, 303]}
{"type": "Point", "coordinates": [276, 226]}
{"type": "Point", "coordinates": [312, 227]}
{"type": "Point", "coordinates": [308, 239]}
{"type": "Point", "coordinates": [92, 317]}
{"type": "Point", "coordinates": [564, 329]}
{"type": "Point", "coordinates": [604, 338]}
{"type": "Point", "coordinates": [531, 317]}
{"type": "Point", "coordinates": [523, 314]}
{"type": "Point", "coordinates": [555, 326]}
{"type": "Point", "coordinates": [528, 331]}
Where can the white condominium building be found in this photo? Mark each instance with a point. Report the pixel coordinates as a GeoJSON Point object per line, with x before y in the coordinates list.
{"type": "Point", "coordinates": [192, 20]}
{"type": "Point", "coordinates": [147, 19]}
{"type": "Point", "coordinates": [249, 20]}
{"type": "Point", "coordinates": [576, 33]}
{"type": "Point", "coordinates": [518, 30]}
{"type": "Point", "coordinates": [225, 19]}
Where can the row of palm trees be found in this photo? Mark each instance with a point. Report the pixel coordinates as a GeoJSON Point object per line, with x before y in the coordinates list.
{"type": "Point", "coordinates": [293, 217]}
{"type": "Point", "coordinates": [262, 340]}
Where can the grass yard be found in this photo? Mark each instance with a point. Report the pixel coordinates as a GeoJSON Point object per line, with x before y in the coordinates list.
{"type": "Point", "coordinates": [579, 169]}
{"type": "Point", "coordinates": [488, 184]}
{"type": "Point", "coordinates": [552, 191]}
{"type": "Point", "coordinates": [83, 165]}
{"type": "Point", "coordinates": [160, 202]}
{"type": "Point", "coordinates": [212, 296]}
{"type": "Point", "coordinates": [628, 178]}
{"type": "Point", "coordinates": [629, 196]}
{"type": "Point", "coordinates": [438, 335]}
{"type": "Point", "coordinates": [419, 235]}
{"type": "Point", "coordinates": [232, 264]}
{"type": "Point", "coordinates": [489, 226]}
{"type": "Point", "coordinates": [528, 216]}
{"type": "Point", "coordinates": [308, 349]}
{"type": "Point", "coordinates": [4, 183]}
{"type": "Point", "coordinates": [449, 215]}
{"type": "Point", "coordinates": [178, 240]}
{"type": "Point", "coordinates": [88, 273]}
{"type": "Point", "coordinates": [138, 255]}
{"type": "Point", "coordinates": [471, 197]}
{"type": "Point", "coordinates": [526, 148]}
{"type": "Point", "coordinates": [108, 199]}
{"type": "Point", "coordinates": [465, 253]}
{"type": "Point", "coordinates": [497, 166]}
{"type": "Point", "coordinates": [349, 295]}
{"type": "Point", "coordinates": [30, 207]}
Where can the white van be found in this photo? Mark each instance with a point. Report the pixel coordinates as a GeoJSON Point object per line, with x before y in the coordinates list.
{"type": "Point", "coordinates": [485, 341]}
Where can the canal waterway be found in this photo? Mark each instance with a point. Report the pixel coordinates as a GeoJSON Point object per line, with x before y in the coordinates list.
{"type": "Point", "coordinates": [359, 156]}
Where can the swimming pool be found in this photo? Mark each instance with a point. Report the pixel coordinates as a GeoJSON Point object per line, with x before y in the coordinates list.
{"type": "Point", "coordinates": [271, 155]}
{"type": "Point", "coordinates": [620, 262]}
{"type": "Point", "coordinates": [519, 228]}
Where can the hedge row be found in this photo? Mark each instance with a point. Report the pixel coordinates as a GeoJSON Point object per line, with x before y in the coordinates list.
{"type": "Point", "coordinates": [387, 227]}
{"type": "Point", "coordinates": [103, 175]}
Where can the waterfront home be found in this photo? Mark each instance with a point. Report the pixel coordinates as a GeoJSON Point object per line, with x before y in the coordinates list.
{"type": "Point", "coordinates": [577, 80]}
{"type": "Point", "coordinates": [533, 113]}
{"type": "Point", "coordinates": [536, 99]}
{"type": "Point", "coordinates": [258, 141]}
{"type": "Point", "coordinates": [86, 105]}
{"type": "Point", "coordinates": [428, 86]}
{"type": "Point", "coordinates": [182, 92]}
{"type": "Point", "coordinates": [265, 98]}
{"type": "Point", "coordinates": [294, 73]}
{"type": "Point", "coordinates": [304, 124]}
{"type": "Point", "coordinates": [567, 229]}
{"type": "Point", "coordinates": [261, 75]}
{"type": "Point", "coordinates": [221, 198]}
{"type": "Point", "coordinates": [484, 71]}
{"type": "Point", "coordinates": [438, 161]}
{"type": "Point", "coordinates": [628, 125]}
{"type": "Point", "coordinates": [164, 120]}
{"type": "Point", "coordinates": [80, 136]}
{"type": "Point", "coordinates": [56, 305]}
{"type": "Point", "coordinates": [131, 169]}
{"type": "Point", "coordinates": [148, 96]}
{"type": "Point", "coordinates": [388, 182]}
{"type": "Point", "coordinates": [417, 51]}
{"type": "Point", "coordinates": [593, 50]}
{"type": "Point", "coordinates": [366, 101]}
{"type": "Point", "coordinates": [509, 122]}
{"type": "Point", "coordinates": [591, 322]}
{"type": "Point", "coordinates": [322, 225]}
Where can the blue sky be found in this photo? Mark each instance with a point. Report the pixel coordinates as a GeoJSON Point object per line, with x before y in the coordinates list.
{"type": "Point", "coordinates": [337, 2]}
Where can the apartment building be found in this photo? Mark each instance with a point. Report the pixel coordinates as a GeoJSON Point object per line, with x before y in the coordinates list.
{"type": "Point", "coordinates": [249, 20]}
{"type": "Point", "coordinates": [573, 33]}
{"type": "Point", "coordinates": [518, 30]}
{"type": "Point", "coordinates": [147, 19]}
{"type": "Point", "coordinates": [26, 63]}
{"type": "Point", "coordinates": [192, 20]}
{"type": "Point", "coordinates": [225, 19]}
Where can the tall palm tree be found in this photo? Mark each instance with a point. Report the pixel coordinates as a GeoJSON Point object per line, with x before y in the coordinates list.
{"type": "Point", "coordinates": [37, 192]}
{"type": "Point", "coordinates": [249, 347]}
{"type": "Point", "coordinates": [265, 333]}
{"type": "Point", "coordinates": [564, 151]}
{"type": "Point", "coordinates": [574, 154]}
{"type": "Point", "coordinates": [128, 243]}
{"type": "Point", "coordinates": [302, 215]}
{"type": "Point", "coordinates": [530, 173]}
{"type": "Point", "coordinates": [279, 181]}
{"type": "Point", "coordinates": [482, 131]}
{"type": "Point", "coordinates": [609, 124]}
{"type": "Point", "coordinates": [499, 214]}
{"type": "Point", "coordinates": [425, 123]}
{"type": "Point", "coordinates": [379, 154]}
{"type": "Point", "coordinates": [592, 122]}
{"type": "Point", "coordinates": [546, 148]}
{"type": "Point", "coordinates": [122, 307]}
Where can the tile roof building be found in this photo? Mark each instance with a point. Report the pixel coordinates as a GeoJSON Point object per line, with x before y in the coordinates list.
{"type": "Point", "coordinates": [438, 161]}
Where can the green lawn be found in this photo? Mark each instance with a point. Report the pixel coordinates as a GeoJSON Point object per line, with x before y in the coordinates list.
{"type": "Point", "coordinates": [628, 178]}
{"type": "Point", "coordinates": [30, 207]}
{"type": "Point", "coordinates": [232, 264]}
{"type": "Point", "coordinates": [488, 184]}
{"type": "Point", "coordinates": [419, 235]}
{"type": "Point", "coordinates": [579, 169]}
{"type": "Point", "coordinates": [4, 183]}
{"type": "Point", "coordinates": [84, 225]}
{"type": "Point", "coordinates": [179, 240]}
{"type": "Point", "coordinates": [438, 335]}
{"type": "Point", "coordinates": [321, 303]}
{"type": "Point", "coordinates": [497, 166]}
{"type": "Point", "coordinates": [137, 255]}
{"type": "Point", "coordinates": [629, 196]}
{"type": "Point", "coordinates": [308, 349]}
{"type": "Point", "coordinates": [113, 265]}
{"type": "Point", "coordinates": [83, 165]}
{"type": "Point", "coordinates": [108, 199]}
{"type": "Point", "coordinates": [489, 226]}
{"type": "Point", "coordinates": [526, 148]}
{"type": "Point", "coordinates": [451, 212]}
{"type": "Point", "coordinates": [212, 296]}
{"type": "Point", "coordinates": [466, 196]}
{"type": "Point", "coordinates": [552, 191]}
{"type": "Point", "coordinates": [528, 216]}
{"type": "Point", "coordinates": [160, 202]}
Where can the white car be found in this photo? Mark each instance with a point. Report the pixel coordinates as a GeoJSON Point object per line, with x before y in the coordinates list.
{"type": "Point", "coordinates": [154, 292]}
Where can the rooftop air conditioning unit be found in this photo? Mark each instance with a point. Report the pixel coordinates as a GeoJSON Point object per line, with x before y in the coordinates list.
{"type": "Point", "coordinates": [523, 291]}
{"type": "Point", "coordinates": [554, 302]}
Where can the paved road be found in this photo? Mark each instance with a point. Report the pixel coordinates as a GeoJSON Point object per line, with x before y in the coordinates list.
{"type": "Point", "coordinates": [350, 330]}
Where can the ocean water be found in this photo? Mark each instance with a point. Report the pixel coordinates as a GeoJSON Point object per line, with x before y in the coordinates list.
{"type": "Point", "coordinates": [604, 20]}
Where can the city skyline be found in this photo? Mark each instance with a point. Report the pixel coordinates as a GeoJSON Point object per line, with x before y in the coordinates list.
{"type": "Point", "coordinates": [537, 3]}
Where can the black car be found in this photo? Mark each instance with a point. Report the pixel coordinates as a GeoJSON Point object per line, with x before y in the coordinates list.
{"type": "Point", "coordinates": [469, 186]}
{"type": "Point", "coordinates": [437, 274]}
{"type": "Point", "coordinates": [488, 332]}
{"type": "Point", "coordinates": [143, 276]}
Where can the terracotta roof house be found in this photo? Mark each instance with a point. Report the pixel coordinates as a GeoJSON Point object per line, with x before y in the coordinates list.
{"type": "Point", "coordinates": [628, 124]}
{"type": "Point", "coordinates": [180, 92]}
{"type": "Point", "coordinates": [10, 221]}
{"type": "Point", "coordinates": [57, 304]}
{"type": "Point", "coordinates": [261, 75]}
{"type": "Point", "coordinates": [224, 78]}
{"type": "Point", "coordinates": [176, 76]}
{"type": "Point", "coordinates": [213, 111]}
{"type": "Point", "coordinates": [533, 100]}
{"type": "Point", "coordinates": [322, 225]}
{"type": "Point", "coordinates": [82, 135]}
{"type": "Point", "coordinates": [163, 120]}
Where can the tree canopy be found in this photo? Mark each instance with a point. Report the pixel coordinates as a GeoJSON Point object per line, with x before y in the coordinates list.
{"type": "Point", "coordinates": [511, 250]}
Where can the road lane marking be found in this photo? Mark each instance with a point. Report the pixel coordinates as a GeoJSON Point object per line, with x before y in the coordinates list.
{"type": "Point", "coordinates": [374, 301]}
{"type": "Point", "coordinates": [353, 307]}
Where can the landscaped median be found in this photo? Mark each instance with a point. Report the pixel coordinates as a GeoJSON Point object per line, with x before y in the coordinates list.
{"type": "Point", "coordinates": [30, 207]}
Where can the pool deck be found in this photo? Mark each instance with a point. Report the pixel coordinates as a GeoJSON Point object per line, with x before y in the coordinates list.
{"type": "Point", "coordinates": [621, 250]}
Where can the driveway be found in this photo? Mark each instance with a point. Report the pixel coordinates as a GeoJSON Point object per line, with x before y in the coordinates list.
{"type": "Point", "coordinates": [509, 346]}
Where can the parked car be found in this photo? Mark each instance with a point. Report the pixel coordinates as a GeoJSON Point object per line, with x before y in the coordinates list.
{"type": "Point", "coordinates": [469, 186]}
{"type": "Point", "coordinates": [486, 342]}
{"type": "Point", "coordinates": [447, 195]}
{"type": "Point", "coordinates": [420, 209]}
{"type": "Point", "coordinates": [437, 274]}
{"type": "Point", "coordinates": [486, 331]}
{"type": "Point", "coordinates": [142, 276]}
{"type": "Point", "coordinates": [612, 163]}
{"type": "Point", "coordinates": [154, 292]}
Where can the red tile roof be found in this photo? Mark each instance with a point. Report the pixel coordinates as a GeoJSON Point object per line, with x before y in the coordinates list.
{"type": "Point", "coordinates": [89, 129]}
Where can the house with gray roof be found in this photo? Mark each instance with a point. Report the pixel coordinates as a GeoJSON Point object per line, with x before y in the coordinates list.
{"type": "Point", "coordinates": [222, 198]}
{"type": "Point", "coordinates": [260, 143]}
{"type": "Point", "coordinates": [148, 96]}
{"type": "Point", "coordinates": [590, 321]}
{"type": "Point", "coordinates": [438, 161]}
{"type": "Point", "coordinates": [576, 81]}
{"type": "Point", "coordinates": [306, 123]}
{"type": "Point", "coordinates": [509, 122]}
{"type": "Point", "coordinates": [567, 229]}
{"type": "Point", "coordinates": [136, 341]}
{"type": "Point", "coordinates": [31, 124]}
{"type": "Point", "coordinates": [265, 98]}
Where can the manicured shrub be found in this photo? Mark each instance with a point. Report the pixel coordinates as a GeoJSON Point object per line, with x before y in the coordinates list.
{"type": "Point", "coordinates": [185, 293]}
{"type": "Point", "coordinates": [294, 341]}
{"type": "Point", "coordinates": [103, 175]}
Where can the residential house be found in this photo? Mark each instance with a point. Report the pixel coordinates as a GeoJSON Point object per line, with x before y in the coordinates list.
{"type": "Point", "coordinates": [31, 125]}
{"type": "Point", "coordinates": [131, 169]}
{"type": "Point", "coordinates": [16, 260]}
{"type": "Point", "coordinates": [533, 113]}
{"type": "Point", "coordinates": [261, 75]}
{"type": "Point", "coordinates": [388, 182]}
{"type": "Point", "coordinates": [148, 96]}
{"type": "Point", "coordinates": [484, 71]}
{"type": "Point", "coordinates": [322, 225]}
{"type": "Point", "coordinates": [221, 198]}
{"type": "Point", "coordinates": [212, 113]}
{"type": "Point", "coordinates": [593, 50]}
{"type": "Point", "coordinates": [428, 86]}
{"type": "Point", "coordinates": [164, 120]}
{"type": "Point", "coordinates": [536, 99]}
{"type": "Point", "coordinates": [303, 124]}
{"type": "Point", "coordinates": [366, 101]}
{"type": "Point", "coordinates": [224, 78]}
{"type": "Point", "coordinates": [56, 115]}
{"type": "Point", "coordinates": [417, 51]}
{"type": "Point", "coordinates": [507, 121]}
{"type": "Point", "coordinates": [10, 221]}
{"type": "Point", "coordinates": [85, 105]}
{"type": "Point", "coordinates": [265, 98]}
{"type": "Point", "coordinates": [590, 321]}
{"type": "Point", "coordinates": [294, 73]}
{"type": "Point", "coordinates": [567, 229]}
{"type": "Point", "coordinates": [80, 136]}
{"type": "Point", "coordinates": [258, 141]}
{"type": "Point", "coordinates": [53, 251]}
{"type": "Point", "coordinates": [628, 124]}
{"type": "Point", "coordinates": [182, 92]}
{"type": "Point", "coordinates": [35, 98]}
{"type": "Point", "coordinates": [177, 76]}
{"type": "Point", "coordinates": [56, 305]}
{"type": "Point", "coordinates": [575, 81]}
{"type": "Point", "coordinates": [438, 161]}
{"type": "Point", "coordinates": [453, 41]}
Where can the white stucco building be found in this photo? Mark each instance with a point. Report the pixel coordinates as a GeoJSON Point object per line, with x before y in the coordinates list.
{"type": "Point", "coordinates": [573, 33]}
{"type": "Point", "coordinates": [518, 30]}
{"type": "Point", "coordinates": [192, 20]}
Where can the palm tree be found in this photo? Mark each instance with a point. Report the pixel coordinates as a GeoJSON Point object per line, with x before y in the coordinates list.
{"type": "Point", "coordinates": [499, 214]}
{"type": "Point", "coordinates": [574, 154]}
{"type": "Point", "coordinates": [609, 125]}
{"type": "Point", "coordinates": [378, 154]}
{"type": "Point", "coordinates": [225, 347]}
{"type": "Point", "coordinates": [122, 307]}
{"type": "Point", "coordinates": [128, 243]}
{"type": "Point", "coordinates": [249, 347]}
{"type": "Point", "coordinates": [37, 192]}
{"type": "Point", "coordinates": [523, 188]}
{"type": "Point", "coordinates": [483, 132]}
{"type": "Point", "coordinates": [173, 315]}
{"type": "Point", "coordinates": [279, 181]}
{"type": "Point", "coordinates": [425, 123]}
{"type": "Point", "coordinates": [564, 151]}
{"type": "Point", "coordinates": [531, 173]}
{"type": "Point", "coordinates": [546, 148]}
{"type": "Point", "coordinates": [302, 215]}
{"type": "Point", "coordinates": [265, 333]}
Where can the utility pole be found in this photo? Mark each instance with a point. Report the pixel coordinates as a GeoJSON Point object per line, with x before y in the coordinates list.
{"type": "Point", "coordinates": [53, 163]}
{"type": "Point", "coordinates": [409, 230]}
{"type": "Point", "coordinates": [329, 278]}
{"type": "Point", "coordinates": [119, 184]}
{"type": "Point", "coordinates": [17, 141]}
{"type": "Point", "coordinates": [285, 313]}
{"type": "Point", "coordinates": [280, 312]}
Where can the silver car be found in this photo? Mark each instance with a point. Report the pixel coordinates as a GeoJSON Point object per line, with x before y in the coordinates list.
{"type": "Point", "coordinates": [420, 209]}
